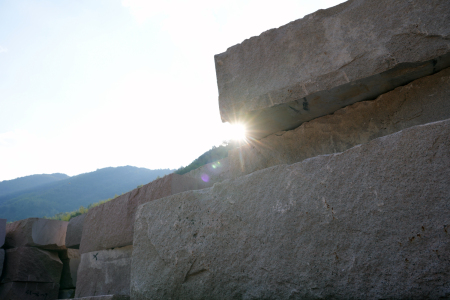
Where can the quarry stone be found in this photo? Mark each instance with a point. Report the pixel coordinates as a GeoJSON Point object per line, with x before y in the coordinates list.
{"type": "Point", "coordinates": [74, 231]}
{"type": "Point", "coordinates": [332, 58]}
{"type": "Point", "coordinates": [31, 265]}
{"type": "Point", "coordinates": [36, 232]}
{"type": "Point", "coordinates": [2, 232]}
{"type": "Point", "coordinates": [71, 260]}
{"type": "Point", "coordinates": [106, 297]}
{"type": "Point", "coordinates": [368, 223]}
{"type": "Point", "coordinates": [66, 294]}
{"type": "Point", "coordinates": [422, 101]}
{"type": "Point", "coordinates": [2, 260]}
{"type": "Point", "coordinates": [104, 272]}
{"type": "Point", "coordinates": [29, 291]}
{"type": "Point", "coordinates": [111, 224]}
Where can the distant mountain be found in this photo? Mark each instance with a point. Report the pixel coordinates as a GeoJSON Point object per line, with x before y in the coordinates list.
{"type": "Point", "coordinates": [27, 182]}
{"type": "Point", "coordinates": [68, 194]}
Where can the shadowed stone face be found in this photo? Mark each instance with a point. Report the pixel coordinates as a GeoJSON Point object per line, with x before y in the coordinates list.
{"type": "Point", "coordinates": [74, 231]}
{"type": "Point", "coordinates": [313, 66]}
{"type": "Point", "coordinates": [29, 290]}
{"type": "Point", "coordinates": [2, 232]}
{"type": "Point", "coordinates": [367, 223]}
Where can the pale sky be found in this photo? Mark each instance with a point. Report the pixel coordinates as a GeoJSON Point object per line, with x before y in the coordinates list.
{"type": "Point", "coordinates": [90, 84]}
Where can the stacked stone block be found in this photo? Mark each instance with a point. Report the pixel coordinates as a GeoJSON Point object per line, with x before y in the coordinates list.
{"type": "Point", "coordinates": [32, 267]}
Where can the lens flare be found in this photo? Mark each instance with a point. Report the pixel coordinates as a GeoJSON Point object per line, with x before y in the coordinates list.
{"type": "Point", "coordinates": [237, 132]}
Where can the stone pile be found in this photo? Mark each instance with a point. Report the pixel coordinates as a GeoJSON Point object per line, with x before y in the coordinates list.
{"type": "Point", "coordinates": [33, 268]}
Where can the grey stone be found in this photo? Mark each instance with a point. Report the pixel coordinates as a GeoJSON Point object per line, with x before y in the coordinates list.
{"type": "Point", "coordinates": [211, 173]}
{"type": "Point", "coordinates": [421, 101]}
{"type": "Point", "coordinates": [368, 223]}
{"type": "Point", "coordinates": [2, 260]}
{"type": "Point", "coordinates": [313, 66]}
{"type": "Point", "coordinates": [36, 232]}
{"type": "Point", "coordinates": [106, 297]}
{"type": "Point", "coordinates": [32, 265]}
{"type": "Point", "coordinates": [2, 232]}
{"type": "Point", "coordinates": [66, 294]}
{"type": "Point", "coordinates": [71, 260]}
{"type": "Point", "coordinates": [74, 231]}
{"type": "Point", "coordinates": [104, 272]}
{"type": "Point", "coordinates": [110, 225]}
{"type": "Point", "coordinates": [29, 291]}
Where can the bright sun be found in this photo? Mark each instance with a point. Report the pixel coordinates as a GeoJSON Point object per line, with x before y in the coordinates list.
{"type": "Point", "coordinates": [237, 132]}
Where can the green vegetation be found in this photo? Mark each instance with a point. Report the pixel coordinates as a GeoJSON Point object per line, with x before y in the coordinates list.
{"type": "Point", "coordinates": [24, 183]}
{"type": "Point", "coordinates": [212, 155]}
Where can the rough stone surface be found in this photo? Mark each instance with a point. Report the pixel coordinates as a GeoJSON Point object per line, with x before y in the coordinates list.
{"type": "Point", "coordinates": [29, 291]}
{"type": "Point", "coordinates": [421, 101]}
{"type": "Point", "coordinates": [36, 232]}
{"type": "Point", "coordinates": [74, 231]}
{"type": "Point", "coordinates": [104, 272]}
{"type": "Point", "coordinates": [2, 259]}
{"type": "Point", "coordinates": [368, 223]}
{"type": "Point", "coordinates": [106, 297]}
{"type": "Point", "coordinates": [66, 294]}
{"type": "Point", "coordinates": [71, 260]}
{"type": "Point", "coordinates": [110, 225]}
{"type": "Point", "coordinates": [2, 232]}
{"type": "Point", "coordinates": [32, 265]}
{"type": "Point", "coordinates": [313, 66]}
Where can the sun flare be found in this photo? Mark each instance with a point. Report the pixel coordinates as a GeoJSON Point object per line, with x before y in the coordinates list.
{"type": "Point", "coordinates": [236, 132]}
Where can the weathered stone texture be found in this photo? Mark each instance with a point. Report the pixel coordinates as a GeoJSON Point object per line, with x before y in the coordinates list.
{"type": "Point", "coordinates": [367, 223]}
{"type": "Point", "coordinates": [2, 232]}
{"type": "Point", "coordinates": [29, 291]}
{"type": "Point", "coordinates": [313, 66]}
{"type": "Point", "coordinates": [66, 294]}
{"type": "Point", "coordinates": [74, 231]}
{"type": "Point", "coordinates": [421, 101]}
{"type": "Point", "coordinates": [2, 260]}
{"type": "Point", "coordinates": [31, 265]}
{"type": "Point", "coordinates": [104, 272]}
{"type": "Point", "coordinates": [71, 260]}
{"type": "Point", "coordinates": [106, 297]}
{"type": "Point", "coordinates": [36, 232]}
{"type": "Point", "coordinates": [110, 225]}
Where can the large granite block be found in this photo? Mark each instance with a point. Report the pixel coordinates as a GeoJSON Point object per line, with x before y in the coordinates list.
{"type": "Point", "coordinates": [332, 58]}
{"type": "Point", "coordinates": [2, 232]}
{"type": "Point", "coordinates": [29, 291]}
{"type": "Point", "coordinates": [104, 272]}
{"type": "Point", "coordinates": [2, 260]}
{"type": "Point", "coordinates": [32, 265]}
{"type": "Point", "coordinates": [110, 225]}
{"type": "Point", "coordinates": [36, 232]}
{"type": "Point", "coordinates": [419, 102]}
{"type": "Point", "coordinates": [71, 260]}
{"type": "Point", "coordinates": [74, 231]}
{"type": "Point", "coordinates": [367, 223]}
{"type": "Point", "coordinates": [105, 297]}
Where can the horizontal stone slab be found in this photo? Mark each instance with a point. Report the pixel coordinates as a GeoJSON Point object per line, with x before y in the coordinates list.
{"type": "Point", "coordinates": [66, 294]}
{"type": "Point", "coordinates": [74, 231]}
{"type": "Point", "coordinates": [111, 224]}
{"type": "Point", "coordinates": [36, 232]}
{"type": "Point", "coordinates": [332, 58]}
{"type": "Point", "coordinates": [32, 265]}
{"type": "Point", "coordinates": [29, 291]}
{"type": "Point", "coordinates": [2, 232]}
{"type": "Point", "coordinates": [367, 223]}
{"type": "Point", "coordinates": [422, 101]}
{"type": "Point", "coordinates": [2, 260]}
{"type": "Point", "coordinates": [106, 297]}
{"type": "Point", "coordinates": [71, 260]}
{"type": "Point", "coordinates": [104, 272]}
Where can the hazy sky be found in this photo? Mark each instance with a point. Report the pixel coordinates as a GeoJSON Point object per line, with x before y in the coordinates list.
{"type": "Point", "coordinates": [89, 84]}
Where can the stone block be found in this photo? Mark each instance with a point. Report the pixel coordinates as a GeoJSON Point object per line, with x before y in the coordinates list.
{"type": "Point", "coordinates": [74, 231]}
{"type": "Point", "coordinates": [29, 291]}
{"type": "Point", "coordinates": [111, 224]}
{"type": "Point", "coordinates": [104, 272]}
{"type": "Point", "coordinates": [32, 265]}
{"type": "Point", "coordinates": [332, 58]}
{"type": "Point", "coordinates": [2, 260]}
{"type": "Point", "coordinates": [36, 232]}
{"type": "Point", "coordinates": [211, 173]}
{"type": "Point", "coordinates": [71, 260]}
{"type": "Point", "coordinates": [367, 223]}
{"type": "Point", "coordinates": [2, 232]}
{"type": "Point", "coordinates": [419, 102]}
{"type": "Point", "coordinates": [66, 294]}
{"type": "Point", "coordinates": [105, 297]}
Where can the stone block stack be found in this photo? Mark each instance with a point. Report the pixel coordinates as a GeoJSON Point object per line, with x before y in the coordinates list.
{"type": "Point", "coordinates": [32, 267]}
{"type": "Point", "coordinates": [342, 191]}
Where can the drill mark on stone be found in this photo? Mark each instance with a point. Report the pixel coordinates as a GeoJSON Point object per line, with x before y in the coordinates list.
{"type": "Point", "coordinates": [95, 256]}
{"type": "Point", "coordinates": [296, 110]}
